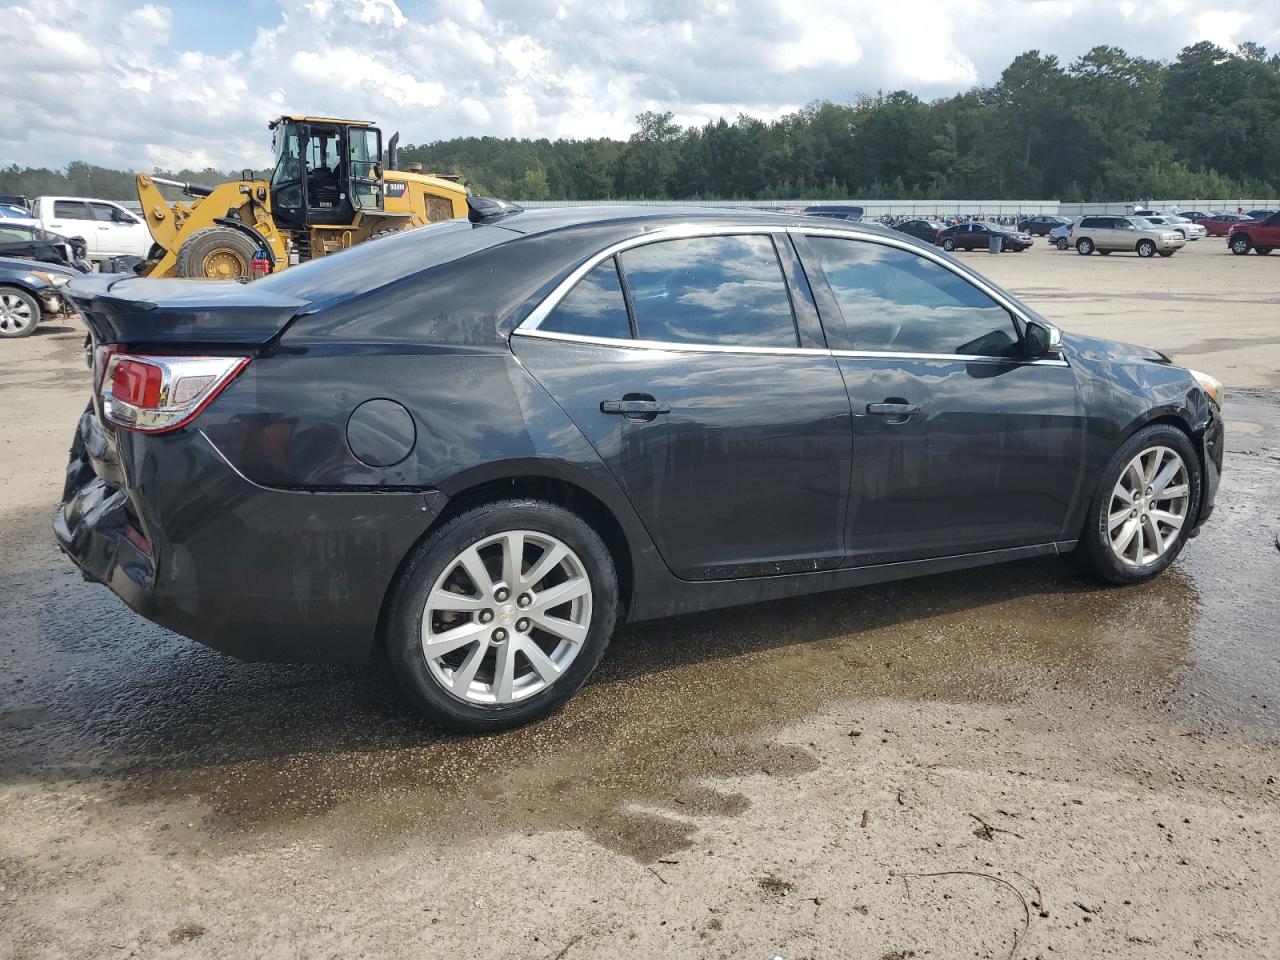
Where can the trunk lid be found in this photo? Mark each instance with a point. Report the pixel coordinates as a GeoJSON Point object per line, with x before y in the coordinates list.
{"type": "Point", "coordinates": [123, 309]}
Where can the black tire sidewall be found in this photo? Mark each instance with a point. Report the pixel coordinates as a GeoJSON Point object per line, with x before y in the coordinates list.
{"type": "Point", "coordinates": [1096, 541]}
{"type": "Point", "coordinates": [427, 562]}
{"type": "Point", "coordinates": [1148, 247]}
{"type": "Point", "coordinates": [1084, 247]}
{"type": "Point", "coordinates": [199, 245]}
{"type": "Point", "coordinates": [37, 312]}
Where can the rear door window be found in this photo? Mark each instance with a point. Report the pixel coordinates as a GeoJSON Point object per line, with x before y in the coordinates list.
{"type": "Point", "coordinates": [896, 301]}
{"type": "Point", "coordinates": [595, 307]}
{"type": "Point", "coordinates": [71, 210]}
{"type": "Point", "coordinates": [723, 290]}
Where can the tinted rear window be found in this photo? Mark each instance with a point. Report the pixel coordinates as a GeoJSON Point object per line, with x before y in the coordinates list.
{"type": "Point", "coordinates": [375, 263]}
{"type": "Point", "coordinates": [594, 308]}
{"type": "Point", "coordinates": [713, 290]}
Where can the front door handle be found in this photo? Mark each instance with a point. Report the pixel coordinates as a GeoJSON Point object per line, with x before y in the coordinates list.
{"type": "Point", "coordinates": [894, 410]}
{"type": "Point", "coordinates": [635, 407]}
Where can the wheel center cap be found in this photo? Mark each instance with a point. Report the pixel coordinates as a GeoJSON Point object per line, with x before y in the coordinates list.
{"type": "Point", "coordinates": [506, 614]}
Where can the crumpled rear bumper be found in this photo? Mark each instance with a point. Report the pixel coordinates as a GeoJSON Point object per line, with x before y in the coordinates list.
{"type": "Point", "coordinates": [260, 573]}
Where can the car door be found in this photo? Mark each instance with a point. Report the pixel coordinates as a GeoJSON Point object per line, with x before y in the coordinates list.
{"type": "Point", "coordinates": [961, 444]}
{"type": "Point", "coordinates": [708, 391]}
{"type": "Point", "coordinates": [72, 218]}
{"type": "Point", "coordinates": [118, 231]}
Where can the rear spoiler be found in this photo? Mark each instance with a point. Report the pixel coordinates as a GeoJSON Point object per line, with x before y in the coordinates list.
{"type": "Point", "coordinates": [123, 309]}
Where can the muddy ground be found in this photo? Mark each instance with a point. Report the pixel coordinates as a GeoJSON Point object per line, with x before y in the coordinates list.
{"type": "Point", "coordinates": [997, 763]}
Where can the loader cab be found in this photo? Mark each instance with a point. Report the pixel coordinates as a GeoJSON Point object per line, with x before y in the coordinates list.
{"type": "Point", "coordinates": [325, 171]}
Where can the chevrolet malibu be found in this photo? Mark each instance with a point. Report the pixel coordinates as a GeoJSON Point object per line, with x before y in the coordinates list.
{"type": "Point", "coordinates": [474, 448]}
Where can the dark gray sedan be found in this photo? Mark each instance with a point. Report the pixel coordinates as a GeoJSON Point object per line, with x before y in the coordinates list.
{"type": "Point", "coordinates": [475, 447]}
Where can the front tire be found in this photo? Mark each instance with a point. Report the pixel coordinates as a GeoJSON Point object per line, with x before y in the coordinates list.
{"type": "Point", "coordinates": [949, 245]}
{"type": "Point", "coordinates": [19, 313]}
{"type": "Point", "coordinates": [1146, 249]}
{"type": "Point", "coordinates": [1144, 507]}
{"type": "Point", "coordinates": [1262, 251]}
{"type": "Point", "coordinates": [1167, 253]}
{"type": "Point", "coordinates": [1240, 246]}
{"type": "Point", "coordinates": [501, 614]}
{"type": "Point", "coordinates": [1084, 246]}
{"type": "Point", "coordinates": [217, 253]}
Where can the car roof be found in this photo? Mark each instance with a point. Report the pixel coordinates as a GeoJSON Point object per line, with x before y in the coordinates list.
{"type": "Point", "coordinates": [631, 219]}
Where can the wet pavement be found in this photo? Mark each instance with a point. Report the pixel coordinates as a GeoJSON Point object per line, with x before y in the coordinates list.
{"type": "Point", "coordinates": [707, 785]}
{"type": "Point", "coordinates": [91, 692]}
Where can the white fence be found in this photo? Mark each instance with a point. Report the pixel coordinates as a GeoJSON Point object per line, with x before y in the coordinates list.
{"type": "Point", "coordinates": [871, 208]}
{"type": "Point", "coordinates": [939, 208]}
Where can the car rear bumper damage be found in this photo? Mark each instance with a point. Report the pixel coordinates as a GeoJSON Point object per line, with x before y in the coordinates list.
{"type": "Point", "coordinates": [259, 573]}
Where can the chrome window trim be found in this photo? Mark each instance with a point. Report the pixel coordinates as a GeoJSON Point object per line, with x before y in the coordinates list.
{"type": "Point", "coordinates": [971, 278]}
{"type": "Point", "coordinates": [668, 345]}
{"type": "Point", "coordinates": [685, 231]}
{"type": "Point", "coordinates": [529, 327]}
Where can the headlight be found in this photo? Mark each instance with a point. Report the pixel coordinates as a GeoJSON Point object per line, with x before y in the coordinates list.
{"type": "Point", "coordinates": [1211, 385]}
{"type": "Point", "coordinates": [53, 279]}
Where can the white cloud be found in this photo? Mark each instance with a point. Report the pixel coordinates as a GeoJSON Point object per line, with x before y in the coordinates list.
{"type": "Point", "coordinates": [114, 82]}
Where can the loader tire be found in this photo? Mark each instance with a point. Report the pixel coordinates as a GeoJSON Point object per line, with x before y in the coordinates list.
{"type": "Point", "coordinates": [217, 253]}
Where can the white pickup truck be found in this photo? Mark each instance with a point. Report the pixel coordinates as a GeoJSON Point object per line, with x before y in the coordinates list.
{"type": "Point", "coordinates": [109, 230]}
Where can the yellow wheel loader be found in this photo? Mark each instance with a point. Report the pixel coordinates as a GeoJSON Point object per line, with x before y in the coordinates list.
{"type": "Point", "coordinates": [328, 191]}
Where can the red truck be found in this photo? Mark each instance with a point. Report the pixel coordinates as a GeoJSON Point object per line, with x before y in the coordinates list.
{"type": "Point", "coordinates": [1260, 235]}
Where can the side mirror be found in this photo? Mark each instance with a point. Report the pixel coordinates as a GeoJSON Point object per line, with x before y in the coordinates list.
{"type": "Point", "coordinates": [1043, 341]}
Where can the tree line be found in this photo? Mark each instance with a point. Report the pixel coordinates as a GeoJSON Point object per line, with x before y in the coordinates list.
{"type": "Point", "coordinates": [1108, 126]}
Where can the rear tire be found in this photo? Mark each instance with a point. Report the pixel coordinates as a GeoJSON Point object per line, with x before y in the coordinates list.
{"type": "Point", "coordinates": [1084, 246]}
{"type": "Point", "coordinates": [1097, 553]}
{"type": "Point", "coordinates": [217, 253]}
{"type": "Point", "coordinates": [1061, 243]}
{"type": "Point", "coordinates": [508, 668]}
{"type": "Point", "coordinates": [19, 313]}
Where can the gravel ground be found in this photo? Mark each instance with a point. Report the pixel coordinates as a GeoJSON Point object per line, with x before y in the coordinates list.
{"type": "Point", "coordinates": [998, 763]}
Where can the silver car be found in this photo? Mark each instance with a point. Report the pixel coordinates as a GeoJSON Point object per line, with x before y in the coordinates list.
{"type": "Point", "coordinates": [1109, 234]}
{"type": "Point", "coordinates": [1188, 228]}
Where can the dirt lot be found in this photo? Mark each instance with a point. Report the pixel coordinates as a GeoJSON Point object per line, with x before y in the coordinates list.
{"type": "Point", "coordinates": [1003, 762]}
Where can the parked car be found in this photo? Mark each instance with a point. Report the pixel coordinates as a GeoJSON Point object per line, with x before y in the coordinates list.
{"type": "Point", "coordinates": [1180, 225]}
{"type": "Point", "coordinates": [835, 211]}
{"type": "Point", "coordinates": [15, 200]}
{"type": "Point", "coordinates": [20, 214]}
{"type": "Point", "coordinates": [1109, 234]}
{"type": "Point", "coordinates": [109, 229]}
{"type": "Point", "coordinates": [30, 292]}
{"type": "Point", "coordinates": [1042, 225]}
{"type": "Point", "coordinates": [1261, 236]}
{"type": "Point", "coordinates": [26, 240]}
{"type": "Point", "coordinates": [926, 230]}
{"type": "Point", "coordinates": [539, 424]}
{"type": "Point", "coordinates": [1195, 216]}
{"type": "Point", "coordinates": [1260, 214]}
{"type": "Point", "coordinates": [1220, 224]}
{"type": "Point", "coordinates": [977, 235]}
{"type": "Point", "coordinates": [1060, 237]}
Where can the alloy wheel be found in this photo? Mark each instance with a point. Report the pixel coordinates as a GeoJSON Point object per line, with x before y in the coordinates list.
{"type": "Point", "coordinates": [506, 618]}
{"type": "Point", "coordinates": [1148, 506]}
{"type": "Point", "coordinates": [15, 314]}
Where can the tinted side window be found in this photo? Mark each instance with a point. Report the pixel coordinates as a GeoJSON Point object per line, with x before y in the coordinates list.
{"type": "Point", "coordinates": [714, 290]}
{"type": "Point", "coordinates": [897, 301]}
{"type": "Point", "coordinates": [103, 211]}
{"type": "Point", "coordinates": [70, 210]}
{"type": "Point", "coordinates": [594, 308]}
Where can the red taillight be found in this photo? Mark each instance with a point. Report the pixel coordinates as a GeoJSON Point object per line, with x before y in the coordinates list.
{"type": "Point", "coordinates": [136, 383]}
{"type": "Point", "coordinates": [157, 394]}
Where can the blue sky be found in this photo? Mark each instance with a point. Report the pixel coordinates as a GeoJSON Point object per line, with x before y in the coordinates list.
{"type": "Point", "coordinates": [174, 83]}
